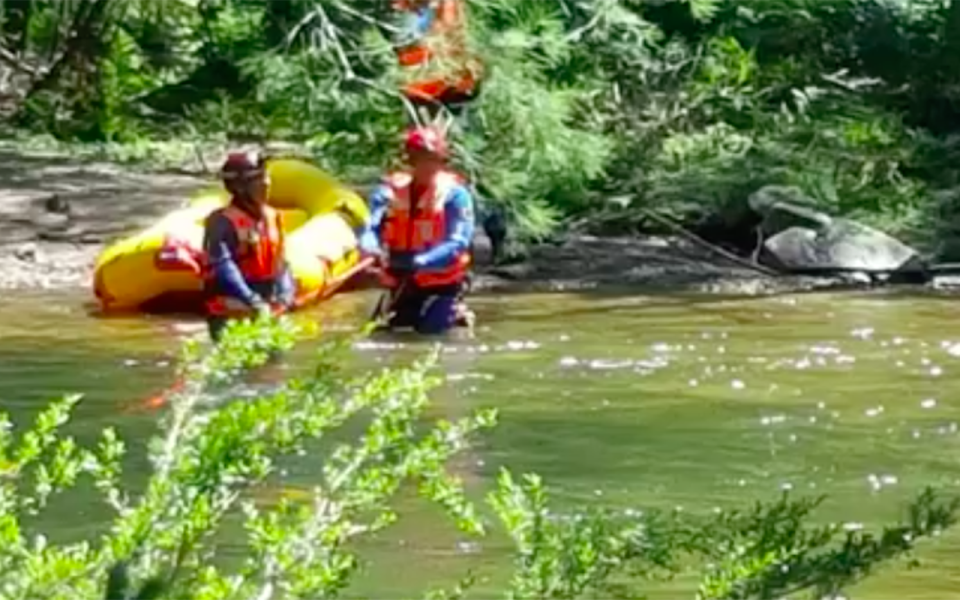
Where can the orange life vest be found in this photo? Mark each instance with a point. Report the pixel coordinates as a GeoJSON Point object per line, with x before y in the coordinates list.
{"type": "Point", "coordinates": [259, 255]}
{"type": "Point", "coordinates": [419, 224]}
{"type": "Point", "coordinates": [439, 65]}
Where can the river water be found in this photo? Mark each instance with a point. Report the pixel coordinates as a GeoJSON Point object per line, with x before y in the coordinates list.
{"type": "Point", "coordinates": [666, 401]}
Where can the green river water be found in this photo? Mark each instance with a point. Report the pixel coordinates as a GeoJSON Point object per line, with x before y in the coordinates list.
{"type": "Point", "coordinates": [631, 400]}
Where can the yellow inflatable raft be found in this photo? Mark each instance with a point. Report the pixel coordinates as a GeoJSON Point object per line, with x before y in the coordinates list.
{"type": "Point", "coordinates": [160, 266]}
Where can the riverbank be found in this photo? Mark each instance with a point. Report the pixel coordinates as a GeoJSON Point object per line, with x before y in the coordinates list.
{"type": "Point", "coordinates": [58, 212]}
{"type": "Point", "coordinates": [650, 263]}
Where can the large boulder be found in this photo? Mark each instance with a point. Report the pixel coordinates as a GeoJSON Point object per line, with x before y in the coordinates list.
{"type": "Point", "coordinates": [782, 207]}
{"type": "Point", "coordinates": [800, 238]}
{"type": "Point", "coordinates": [841, 245]}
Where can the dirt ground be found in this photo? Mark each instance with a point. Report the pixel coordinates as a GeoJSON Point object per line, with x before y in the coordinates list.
{"type": "Point", "coordinates": [58, 212]}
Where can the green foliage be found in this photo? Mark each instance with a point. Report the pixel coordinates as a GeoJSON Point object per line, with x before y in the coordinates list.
{"type": "Point", "coordinates": [216, 448]}
{"type": "Point", "coordinates": [211, 451]}
{"type": "Point", "coordinates": [688, 106]}
{"type": "Point", "coordinates": [770, 553]}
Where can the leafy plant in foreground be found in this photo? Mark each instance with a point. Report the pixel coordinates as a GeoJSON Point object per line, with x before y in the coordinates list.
{"type": "Point", "coordinates": [215, 447]}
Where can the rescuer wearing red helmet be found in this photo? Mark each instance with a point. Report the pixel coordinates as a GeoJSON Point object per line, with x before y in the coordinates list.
{"type": "Point", "coordinates": [245, 271]}
{"type": "Point", "coordinates": [421, 224]}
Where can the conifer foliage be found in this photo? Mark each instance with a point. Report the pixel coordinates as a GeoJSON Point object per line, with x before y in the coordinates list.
{"type": "Point", "coordinates": [680, 106]}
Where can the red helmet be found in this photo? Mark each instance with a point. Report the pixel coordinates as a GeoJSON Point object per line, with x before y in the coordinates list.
{"type": "Point", "coordinates": [242, 166]}
{"type": "Point", "coordinates": [430, 139]}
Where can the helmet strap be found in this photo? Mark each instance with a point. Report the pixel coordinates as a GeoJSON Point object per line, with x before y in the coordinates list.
{"type": "Point", "coordinates": [240, 195]}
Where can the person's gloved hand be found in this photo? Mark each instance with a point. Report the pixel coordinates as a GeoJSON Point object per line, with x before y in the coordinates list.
{"type": "Point", "coordinates": [402, 264]}
{"type": "Point", "coordinates": [262, 309]}
{"type": "Point", "coordinates": [287, 300]}
{"type": "Point", "coordinates": [369, 245]}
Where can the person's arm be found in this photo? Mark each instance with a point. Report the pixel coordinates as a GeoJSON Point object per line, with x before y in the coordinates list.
{"type": "Point", "coordinates": [286, 287]}
{"type": "Point", "coordinates": [369, 237]}
{"type": "Point", "coordinates": [460, 225]}
{"type": "Point", "coordinates": [220, 243]}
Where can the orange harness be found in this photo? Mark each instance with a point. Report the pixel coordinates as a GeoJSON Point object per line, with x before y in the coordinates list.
{"type": "Point", "coordinates": [413, 226]}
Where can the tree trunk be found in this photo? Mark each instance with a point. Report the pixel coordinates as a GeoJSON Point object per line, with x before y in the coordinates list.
{"type": "Point", "coordinates": [279, 17]}
{"type": "Point", "coordinates": [67, 97]}
{"type": "Point", "coordinates": [951, 37]}
{"type": "Point", "coordinates": [84, 44]}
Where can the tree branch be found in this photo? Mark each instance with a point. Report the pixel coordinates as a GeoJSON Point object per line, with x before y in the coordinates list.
{"type": "Point", "coordinates": [689, 236]}
{"type": "Point", "coordinates": [10, 59]}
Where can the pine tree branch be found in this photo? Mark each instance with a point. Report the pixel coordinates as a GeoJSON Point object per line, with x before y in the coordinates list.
{"type": "Point", "coordinates": [10, 59]}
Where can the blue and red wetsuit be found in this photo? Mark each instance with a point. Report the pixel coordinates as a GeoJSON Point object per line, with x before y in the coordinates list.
{"type": "Point", "coordinates": [430, 309]}
{"type": "Point", "coordinates": [221, 244]}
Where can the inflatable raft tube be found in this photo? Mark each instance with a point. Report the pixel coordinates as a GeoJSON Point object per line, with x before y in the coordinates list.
{"type": "Point", "coordinates": [159, 267]}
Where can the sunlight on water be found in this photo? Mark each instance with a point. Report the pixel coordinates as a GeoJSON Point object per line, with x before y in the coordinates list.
{"type": "Point", "coordinates": [669, 402]}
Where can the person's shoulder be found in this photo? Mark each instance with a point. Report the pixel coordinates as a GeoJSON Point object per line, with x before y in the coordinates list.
{"type": "Point", "coordinates": [397, 178]}
{"type": "Point", "coordinates": [453, 180]}
{"type": "Point", "coordinates": [384, 189]}
{"type": "Point", "coordinates": [217, 215]}
{"type": "Point", "coordinates": [460, 192]}
{"type": "Point", "coordinates": [218, 223]}
{"type": "Point", "coordinates": [460, 201]}
{"type": "Point", "coordinates": [273, 215]}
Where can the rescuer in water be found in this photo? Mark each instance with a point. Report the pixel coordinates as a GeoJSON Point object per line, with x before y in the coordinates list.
{"type": "Point", "coordinates": [421, 225]}
{"type": "Point", "coordinates": [245, 270]}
